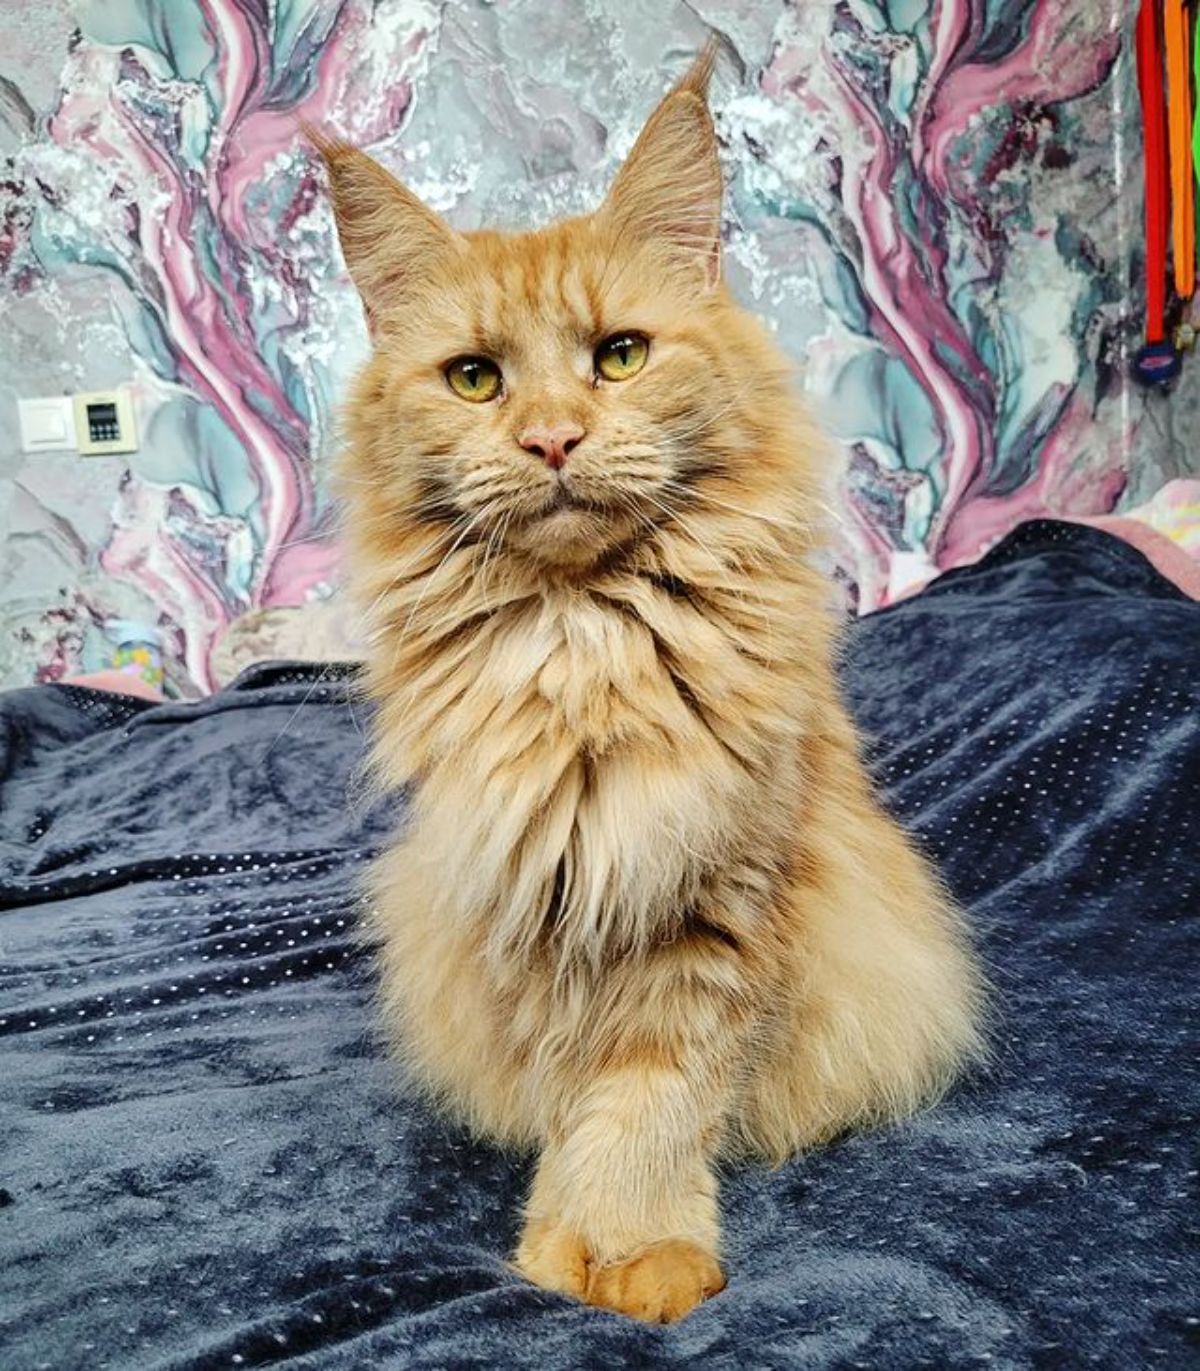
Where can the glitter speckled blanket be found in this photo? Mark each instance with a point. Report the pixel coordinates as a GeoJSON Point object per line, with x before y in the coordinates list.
{"type": "Point", "coordinates": [206, 1162]}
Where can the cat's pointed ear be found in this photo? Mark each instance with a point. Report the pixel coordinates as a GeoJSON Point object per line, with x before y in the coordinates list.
{"type": "Point", "coordinates": [669, 190]}
{"type": "Point", "coordinates": [389, 237]}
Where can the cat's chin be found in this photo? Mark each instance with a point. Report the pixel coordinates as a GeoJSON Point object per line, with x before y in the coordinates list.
{"type": "Point", "coordinates": [571, 536]}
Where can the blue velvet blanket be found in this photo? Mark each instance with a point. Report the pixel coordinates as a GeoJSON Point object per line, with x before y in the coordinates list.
{"type": "Point", "coordinates": [206, 1161]}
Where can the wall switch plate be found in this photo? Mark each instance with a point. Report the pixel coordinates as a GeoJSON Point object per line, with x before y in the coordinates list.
{"type": "Point", "coordinates": [47, 424]}
{"type": "Point", "coordinates": [104, 422]}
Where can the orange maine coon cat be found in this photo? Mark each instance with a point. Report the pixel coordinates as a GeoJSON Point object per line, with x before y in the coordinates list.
{"type": "Point", "coordinates": [646, 911]}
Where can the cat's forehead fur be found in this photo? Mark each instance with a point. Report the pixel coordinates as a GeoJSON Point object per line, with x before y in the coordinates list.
{"type": "Point", "coordinates": [564, 286]}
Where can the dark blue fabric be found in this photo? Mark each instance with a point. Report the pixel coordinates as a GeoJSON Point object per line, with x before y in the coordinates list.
{"type": "Point", "coordinates": [207, 1162]}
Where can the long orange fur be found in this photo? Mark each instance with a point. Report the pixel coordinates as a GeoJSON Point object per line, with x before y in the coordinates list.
{"type": "Point", "coordinates": [646, 910]}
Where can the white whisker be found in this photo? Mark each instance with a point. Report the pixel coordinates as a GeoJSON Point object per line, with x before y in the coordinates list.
{"type": "Point", "coordinates": [696, 492]}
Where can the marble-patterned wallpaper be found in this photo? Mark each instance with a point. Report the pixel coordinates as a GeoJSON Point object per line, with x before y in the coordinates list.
{"type": "Point", "coordinates": [937, 203]}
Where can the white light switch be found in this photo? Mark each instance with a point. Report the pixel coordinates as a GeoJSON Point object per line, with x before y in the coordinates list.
{"type": "Point", "coordinates": [47, 423]}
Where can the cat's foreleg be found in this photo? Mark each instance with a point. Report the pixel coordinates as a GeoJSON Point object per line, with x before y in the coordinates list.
{"type": "Point", "coordinates": [623, 1209]}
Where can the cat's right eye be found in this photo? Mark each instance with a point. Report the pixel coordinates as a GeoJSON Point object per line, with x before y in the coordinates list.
{"type": "Point", "coordinates": [622, 356]}
{"type": "Point", "coordinates": [474, 378]}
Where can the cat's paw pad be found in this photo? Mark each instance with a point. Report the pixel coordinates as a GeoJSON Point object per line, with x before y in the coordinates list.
{"type": "Point", "coordinates": [553, 1257]}
{"type": "Point", "coordinates": [658, 1284]}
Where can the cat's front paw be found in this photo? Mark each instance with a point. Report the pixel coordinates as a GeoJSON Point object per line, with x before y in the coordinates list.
{"type": "Point", "coordinates": [659, 1283]}
{"type": "Point", "coordinates": [553, 1257]}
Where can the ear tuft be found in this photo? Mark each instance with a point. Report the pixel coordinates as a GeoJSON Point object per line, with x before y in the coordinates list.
{"type": "Point", "coordinates": [326, 145]}
{"type": "Point", "coordinates": [699, 74]}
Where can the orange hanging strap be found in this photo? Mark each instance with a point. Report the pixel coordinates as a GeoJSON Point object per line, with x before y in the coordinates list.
{"type": "Point", "coordinates": [1157, 362]}
{"type": "Point", "coordinates": [1158, 189]}
{"type": "Point", "coordinates": [1179, 129]}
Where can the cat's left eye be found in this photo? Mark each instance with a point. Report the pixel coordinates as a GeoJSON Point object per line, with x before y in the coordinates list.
{"type": "Point", "coordinates": [622, 355]}
{"type": "Point", "coordinates": [476, 379]}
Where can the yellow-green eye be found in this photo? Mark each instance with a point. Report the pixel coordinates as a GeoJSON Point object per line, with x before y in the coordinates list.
{"type": "Point", "coordinates": [622, 356]}
{"type": "Point", "coordinates": [474, 378]}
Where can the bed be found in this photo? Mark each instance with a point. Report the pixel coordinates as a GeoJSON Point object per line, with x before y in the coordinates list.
{"type": "Point", "coordinates": [207, 1161]}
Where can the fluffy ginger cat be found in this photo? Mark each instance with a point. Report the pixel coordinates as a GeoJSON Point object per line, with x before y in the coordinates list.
{"type": "Point", "coordinates": [646, 913]}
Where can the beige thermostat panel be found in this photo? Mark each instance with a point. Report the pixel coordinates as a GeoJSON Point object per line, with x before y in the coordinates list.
{"type": "Point", "coordinates": [104, 423]}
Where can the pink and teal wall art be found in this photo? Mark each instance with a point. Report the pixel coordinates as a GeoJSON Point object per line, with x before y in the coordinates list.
{"type": "Point", "coordinates": [937, 203]}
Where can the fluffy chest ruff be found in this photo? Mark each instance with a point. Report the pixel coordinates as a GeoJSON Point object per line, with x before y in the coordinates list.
{"type": "Point", "coordinates": [588, 761]}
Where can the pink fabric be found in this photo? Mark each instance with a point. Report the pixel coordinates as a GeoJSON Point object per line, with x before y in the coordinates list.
{"type": "Point", "coordinates": [116, 683]}
{"type": "Point", "coordinates": [1167, 557]}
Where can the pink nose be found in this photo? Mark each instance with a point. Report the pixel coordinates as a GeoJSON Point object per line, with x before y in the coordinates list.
{"type": "Point", "coordinates": [551, 442]}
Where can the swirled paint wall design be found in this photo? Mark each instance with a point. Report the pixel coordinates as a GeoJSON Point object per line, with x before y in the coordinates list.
{"type": "Point", "coordinates": [935, 202]}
